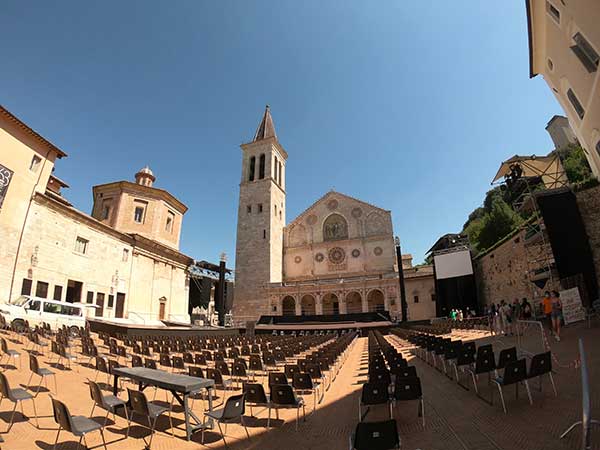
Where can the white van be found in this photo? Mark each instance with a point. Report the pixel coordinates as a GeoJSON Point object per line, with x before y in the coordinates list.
{"type": "Point", "coordinates": [36, 310]}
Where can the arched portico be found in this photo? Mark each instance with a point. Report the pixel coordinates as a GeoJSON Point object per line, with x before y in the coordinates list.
{"type": "Point", "coordinates": [353, 302]}
{"type": "Point", "coordinates": [288, 306]}
{"type": "Point", "coordinates": [308, 305]}
{"type": "Point", "coordinates": [331, 304]}
{"type": "Point", "coordinates": [376, 300]}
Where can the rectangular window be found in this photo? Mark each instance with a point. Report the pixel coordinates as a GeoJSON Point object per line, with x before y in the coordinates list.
{"type": "Point", "coordinates": [260, 207]}
{"type": "Point", "coordinates": [264, 234]}
{"type": "Point", "coordinates": [138, 215]}
{"type": "Point", "coordinates": [41, 289]}
{"type": "Point", "coordinates": [433, 297]}
{"type": "Point", "coordinates": [416, 298]}
{"type": "Point", "coordinates": [575, 102]}
{"type": "Point", "coordinates": [57, 293]}
{"type": "Point", "coordinates": [35, 163]}
{"type": "Point", "coordinates": [280, 173]}
{"type": "Point", "coordinates": [111, 301]}
{"type": "Point", "coordinates": [34, 305]}
{"type": "Point", "coordinates": [252, 168]}
{"type": "Point", "coordinates": [81, 245]}
{"type": "Point", "coordinates": [170, 220]}
{"type": "Point", "coordinates": [90, 297]}
{"type": "Point", "coordinates": [249, 209]}
{"type": "Point", "coordinates": [26, 286]}
{"type": "Point", "coordinates": [553, 12]}
{"type": "Point", "coordinates": [125, 255]}
{"type": "Point", "coordinates": [275, 210]}
{"type": "Point", "coordinates": [261, 167]}
{"type": "Point", "coordinates": [585, 52]}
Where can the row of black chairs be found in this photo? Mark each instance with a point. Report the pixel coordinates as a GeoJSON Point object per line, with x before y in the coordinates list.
{"type": "Point", "coordinates": [454, 357]}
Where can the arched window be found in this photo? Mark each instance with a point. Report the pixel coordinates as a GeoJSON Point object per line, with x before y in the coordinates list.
{"type": "Point", "coordinates": [261, 167]}
{"type": "Point", "coordinates": [275, 172]}
{"type": "Point", "coordinates": [335, 227]}
{"type": "Point", "coordinates": [280, 173]}
{"type": "Point", "coordinates": [252, 168]}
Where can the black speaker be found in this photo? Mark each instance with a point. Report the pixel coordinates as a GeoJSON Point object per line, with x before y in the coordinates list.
{"type": "Point", "coordinates": [568, 238]}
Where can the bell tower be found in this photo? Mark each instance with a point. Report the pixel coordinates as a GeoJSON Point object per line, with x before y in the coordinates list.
{"type": "Point", "coordinates": [261, 218]}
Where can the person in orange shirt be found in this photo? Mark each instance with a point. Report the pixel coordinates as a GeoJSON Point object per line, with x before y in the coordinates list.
{"type": "Point", "coordinates": [547, 308]}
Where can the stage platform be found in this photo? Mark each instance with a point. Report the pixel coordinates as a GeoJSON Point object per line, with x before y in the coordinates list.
{"type": "Point", "coordinates": [130, 330]}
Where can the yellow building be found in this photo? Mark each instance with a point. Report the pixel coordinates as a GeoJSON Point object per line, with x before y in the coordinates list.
{"type": "Point", "coordinates": [564, 47]}
{"type": "Point", "coordinates": [124, 258]}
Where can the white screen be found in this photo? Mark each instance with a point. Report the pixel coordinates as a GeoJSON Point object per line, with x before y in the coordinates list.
{"type": "Point", "coordinates": [452, 265]}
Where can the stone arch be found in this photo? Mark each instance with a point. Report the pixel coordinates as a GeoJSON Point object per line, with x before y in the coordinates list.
{"type": "Point", "coordinates": [288, 306]}
{"type": "Point", "coordinates": [375, 225]}
{"type": "Point", "coordinates": [308, 305]}
{"type": "Point", "coordinates": [297, 235]}
{"type": "Point", "coordinates": [331, 304]}
{"type": "Point", "coordinates": [353, 302]}
{"type": "Point", "coordinates": [376, 300]}
{"type": "Point", "coordinates": [335, 227]}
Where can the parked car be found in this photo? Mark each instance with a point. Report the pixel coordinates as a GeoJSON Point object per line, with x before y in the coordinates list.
{"type": "Point", "coordinates": [36, 310]}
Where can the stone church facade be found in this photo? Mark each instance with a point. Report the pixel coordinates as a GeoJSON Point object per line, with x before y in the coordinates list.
{"type": "Point", "coordinates": [337, 257]}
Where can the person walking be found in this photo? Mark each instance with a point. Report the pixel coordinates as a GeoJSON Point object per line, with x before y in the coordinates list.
{"type": "Point", "coordinates": [526, 309]}
{"type": "Point", "coordinates": [547, 308]}
{"type": "Point", "coordinates": [556, 314]}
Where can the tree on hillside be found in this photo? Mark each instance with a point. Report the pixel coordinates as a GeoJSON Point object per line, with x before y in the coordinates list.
{"type": "Point", "coordinates": [496, 224]}
{"type": "Point", "coordinates": [575, 163]}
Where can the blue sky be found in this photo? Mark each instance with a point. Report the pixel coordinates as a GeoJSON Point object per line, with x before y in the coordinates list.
{"type": "Point", "coordinates": [410, 106]}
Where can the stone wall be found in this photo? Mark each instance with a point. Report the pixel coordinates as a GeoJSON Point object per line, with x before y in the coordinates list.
{"type": "Point", "coordinates": [502, 273]}
{"type": "Point", "coordinates": [589, 207]}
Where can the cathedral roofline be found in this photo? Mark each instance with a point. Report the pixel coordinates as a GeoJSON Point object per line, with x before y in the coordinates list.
{"type": "Point", "coordinates": [332, 192]}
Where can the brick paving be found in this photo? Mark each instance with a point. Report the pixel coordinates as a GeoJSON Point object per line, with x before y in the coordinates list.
{"type": "Point", "coordinates": [455, 417]}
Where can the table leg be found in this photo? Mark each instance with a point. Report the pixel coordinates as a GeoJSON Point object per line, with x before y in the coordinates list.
{"type": "Point", "coordinates": [186, 411]}
{"type": "Point", "coordinates": [210, 406]}
{"type": "Point", "coordinates": [116, 385]}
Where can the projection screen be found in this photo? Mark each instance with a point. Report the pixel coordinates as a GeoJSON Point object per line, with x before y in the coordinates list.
{"type": "Point", "coordinates": [451, 265]}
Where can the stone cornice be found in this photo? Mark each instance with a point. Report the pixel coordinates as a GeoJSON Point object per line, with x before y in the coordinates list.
{"type": "Point", "coordinates": [128, 186]}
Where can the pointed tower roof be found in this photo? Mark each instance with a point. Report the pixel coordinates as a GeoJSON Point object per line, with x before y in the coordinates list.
{"type": "Point", "coordinates": [266, 129]}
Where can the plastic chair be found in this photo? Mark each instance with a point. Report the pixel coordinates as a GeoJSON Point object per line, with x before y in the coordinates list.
{"type": "Point", "coordinates": [15, 396]}
{"type": "Point", "coordinates": [282, 396]}
{"type": "Point", "coordinates": [42, 372]}
{"type": "Point", "coordinates": [140, 405]}
{"type": "Point", "coordinates": [375, 436]}
{"type": "Point", "coordinates": [233, 410]}
{"type": "Point", "coordinates": [77, 425]}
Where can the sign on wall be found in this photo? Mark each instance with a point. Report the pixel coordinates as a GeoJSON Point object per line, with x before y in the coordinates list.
{"type": "Point", "coordinates": [571, 305]}
{"type": "Point", "coordinates": [5, 177]}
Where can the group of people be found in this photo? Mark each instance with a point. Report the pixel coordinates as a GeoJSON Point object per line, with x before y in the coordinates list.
{"type": "Point", "coordinates": [503, 315]}
{"type": "Point", "coordinates": [457, 314]}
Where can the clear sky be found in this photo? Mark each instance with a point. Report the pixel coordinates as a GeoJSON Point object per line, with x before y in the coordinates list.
{"type": "Point", "coordinates": [410, 106]}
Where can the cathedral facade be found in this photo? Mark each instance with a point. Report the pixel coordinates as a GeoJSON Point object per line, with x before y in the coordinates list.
{"type": "Point", "coordinates": [337, 257]}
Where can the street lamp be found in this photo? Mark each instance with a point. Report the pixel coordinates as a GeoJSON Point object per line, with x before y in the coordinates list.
{"type": "Point", "coordinates": [403, 306]}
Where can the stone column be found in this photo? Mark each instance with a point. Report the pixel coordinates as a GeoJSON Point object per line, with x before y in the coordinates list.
{"type": "Point", "coordinates": [365, 304]}
{"type": "Point", "coordinates": [342, 302]}
{"type": "Point", "coordinates": [319, 304]}
{"type": "Point", "coordinates": [298, 305]}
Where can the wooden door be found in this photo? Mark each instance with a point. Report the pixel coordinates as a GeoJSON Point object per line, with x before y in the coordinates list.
{"type": "Point", "coordinates": [161, 311]}
{"type": "Point", "coordinates": [120, 305]}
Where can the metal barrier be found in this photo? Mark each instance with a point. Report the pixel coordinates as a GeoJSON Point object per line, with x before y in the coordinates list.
{"type": "Point", "coordinates": [538, 344]}
{"type": "Point", "coordinates": [586, 421]}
